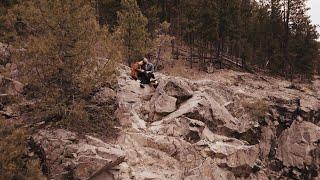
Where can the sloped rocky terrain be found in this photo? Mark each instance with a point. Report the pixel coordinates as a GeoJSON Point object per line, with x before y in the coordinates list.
{"type": "Point", "coordinates": [232, 126]}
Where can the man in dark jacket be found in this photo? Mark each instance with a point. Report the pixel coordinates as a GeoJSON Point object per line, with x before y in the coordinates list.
{"type": "Point", "coordinates": [148, 68]}
{"type": "Point", "coordinates": [147, 75]}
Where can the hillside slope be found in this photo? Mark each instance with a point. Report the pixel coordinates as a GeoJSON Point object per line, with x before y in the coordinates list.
{"type": "Point", "coordinates": [234, 126]}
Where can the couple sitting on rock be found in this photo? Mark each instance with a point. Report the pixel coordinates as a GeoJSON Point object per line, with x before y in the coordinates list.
{"type": "Point", "coordinates": [143, 71]}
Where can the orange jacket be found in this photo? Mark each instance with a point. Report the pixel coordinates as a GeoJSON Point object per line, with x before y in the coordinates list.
{"type": "Point", "coordinates": [135, 69]}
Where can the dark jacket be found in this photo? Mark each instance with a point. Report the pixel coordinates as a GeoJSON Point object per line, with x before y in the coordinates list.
{"type": "Point", "coordinates": [149, 68]}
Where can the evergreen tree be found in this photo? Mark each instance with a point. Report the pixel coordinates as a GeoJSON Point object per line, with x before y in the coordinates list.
{"type": "Point", "coordinates": [6, 33]}
{"type": "Point", "coordinates": [151, 10]}
{"type": "Point", "coordinates": [107, 11]}
{"type": "Point", "coordinates": [132, 30]}
{"type": "Point", "coordinates": [266, 33]}
{"type": "Point", "coordinates": [61, 59]}
{"type": "Point", "coordinates": [161, 42]}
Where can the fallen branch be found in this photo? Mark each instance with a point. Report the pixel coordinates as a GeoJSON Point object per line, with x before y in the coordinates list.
{"type": "Point", "coordinates": [108, 166]}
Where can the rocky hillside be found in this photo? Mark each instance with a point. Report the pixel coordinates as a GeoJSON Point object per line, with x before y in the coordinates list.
{"type": "Point", "coordinates": [233, 126]}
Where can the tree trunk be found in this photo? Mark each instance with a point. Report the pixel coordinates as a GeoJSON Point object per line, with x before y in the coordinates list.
{"type": "Point", "coordinates": [191, 51]}
{"type": "Point", "coordinates": [129, 46]}
{"type": "Point", "coordinates": [158, 58]}
{"type": "Point", "coordinates": [286, 39]}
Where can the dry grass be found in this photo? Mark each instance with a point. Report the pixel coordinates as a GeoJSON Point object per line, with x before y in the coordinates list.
{"type": "Point", "coordinates": [182, 68]}
{"type": "Point", "coordinates": [14, 160]}
{"type": "Point", "coordinates": [257, 108]}
{"type": "Point", "coordinates": [98, 119]}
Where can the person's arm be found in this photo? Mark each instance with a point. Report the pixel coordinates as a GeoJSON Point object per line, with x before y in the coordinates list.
{"type": "Point", "coordinates": [140, 70]}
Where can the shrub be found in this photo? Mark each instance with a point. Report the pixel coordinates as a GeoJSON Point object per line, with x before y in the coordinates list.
{"type": "Point", "coordinates": [132, 30]}
{"type": "Point", "coordinates": [14, 160]}
{"type": "Point", "coordinates": [65, 57]}
{"type": "Point", "coordinates": [257, 108]}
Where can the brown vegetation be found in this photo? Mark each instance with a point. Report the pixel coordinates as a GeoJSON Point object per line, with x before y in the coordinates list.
{"type": "Point", "coordinates": [257, 108]}
{"type": "Point", "coordinates": [66, 58]}
{"type": "Point", "coordinates": [15, 160]}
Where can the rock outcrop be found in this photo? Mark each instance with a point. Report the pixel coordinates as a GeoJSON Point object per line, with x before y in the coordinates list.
{"type": "Point", "coordinates": [235, 126]}
{"type": "Point", "coordinates": [9, 92]}
{"type": "Point", "coordinates": [298, 145]}
{"type": "Point", "coordinates": [10, 86]}
{"type": "Point", "coordinates": [69, 156]}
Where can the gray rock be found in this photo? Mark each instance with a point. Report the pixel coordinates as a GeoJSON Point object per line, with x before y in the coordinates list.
{"type": "Point", "coordinates": [178, 89]}
{"type": "Point", "coordinates": [297, 143]}
{"type": "Point", "coordinates": [10, 86]}
{"type": "Point", "coordinates": [85, 156]}
{"type": "Point", "coordinates": [198, 130]}
{"type": "Point", "coordinates": [165, 104]}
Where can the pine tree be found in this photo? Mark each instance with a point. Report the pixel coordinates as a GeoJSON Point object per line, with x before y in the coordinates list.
{"type": "Point", "coordinates": [107, 11]}
{"type": "Point", "coordinates": [161, 42]}
{"type": "Point", "coordinates": [151, 10]}
{"type": "Point", "coordinates": [61, 60]}
{"type": "Point", "coordinates": [132, 30]}
{"type": "Point", "coordinates": [299, 39]}
{"type": "Point", "coordinates": [6, 32]}
{"type": "Point", "coordinates": [13, 149]}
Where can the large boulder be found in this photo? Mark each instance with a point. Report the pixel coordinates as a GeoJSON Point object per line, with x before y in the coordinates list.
{"type": "Point", "coordinates": [233, 155]}
{"type": "Point", "coordinates": [184, 108]}
{"type": "Point", "coordinates": [10, 86]}
{"type": "Point", "coordinates": [149, 157]}
{"type": "Point", "coordinates": [178, 88]}
{"type": "Point", "coordinates": [9, 97]}
{"type": "Point", "coordinates": [298, 144]}
{"type": "Point", "coordinates": [203, 108]}
{"type": "Point", "coordinates": [69, 155]}
{"type": "Point", "coordinates": [208, 170]}
{"type": "Point", "coordinates": [170, 93]}
{"type": "Point", "coordinates": [165, 104]}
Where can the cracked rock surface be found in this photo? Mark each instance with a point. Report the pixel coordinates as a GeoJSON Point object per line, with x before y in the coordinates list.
{"type": "Point", "coordinates": [234, 126]}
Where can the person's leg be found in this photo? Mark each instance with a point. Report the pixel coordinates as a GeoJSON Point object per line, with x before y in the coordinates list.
{"type": "Point", "coordinates": [151, 76]}
{"type": "Point", "coordinates": [154, 83]}
{"type": "Point", "coordinates": [152, 80]}
{"type": "Point", "coordinates": [141, 79]}
{"type": "Point", "coordinates": [145, 79]}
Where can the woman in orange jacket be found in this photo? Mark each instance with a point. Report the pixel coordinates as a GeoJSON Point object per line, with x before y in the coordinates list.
{"type": "Point", "coordinates": [136, 68]}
